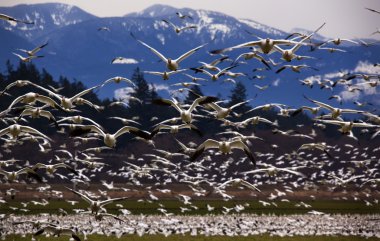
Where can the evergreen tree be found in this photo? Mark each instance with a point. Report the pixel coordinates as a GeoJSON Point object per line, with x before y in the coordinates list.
{"type": "Point", "coordinates": [142, 90]}
{"type": "Point", "coordinates": [239, 94]}
{"type": "Point", "coordinates": [153, 93]}
{"type": "Point", "coordinates": [190, 96]}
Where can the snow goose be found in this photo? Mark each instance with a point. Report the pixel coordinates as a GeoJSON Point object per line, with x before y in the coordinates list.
{"type": "Point", "coordinates": [13, 175]}
{"type": "Point", "coordinates": [216, 76]}
{"type": "Point", "coordinates": [166, 74]}
{"type": "Point", "coordinates": [117, 80]}
{"type": "Point", "coordinates": [185, 115]}
{"type": "Point", "coordinates": [33, 51]}
{"type": "Point", "coordinates": [295, 68]}
{"type": "Point", "coordinates": [178, 29]}
{"type": "Point", "coordinates": [15, 130]}
{"type": "Point", "coordinates": [335, 112]}
{"type": "Point", "coordinates": [95, 205]}
{"type": "Point", "coordinates": [29, 58]}
{"type": "Point", "coordinates": [225, 147]}
{"type": "Point", "coordinates": [12, 19]}
{"type": "Point", "coordinates": [237, 182]}
{"type": "Point", "coordinates": [171, 64]}
{"type": "Point", "coordinates": [109, 139]}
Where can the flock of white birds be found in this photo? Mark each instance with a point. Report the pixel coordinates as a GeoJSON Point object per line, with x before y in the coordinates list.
{"type": "Point", "coordinates": [360, 170]}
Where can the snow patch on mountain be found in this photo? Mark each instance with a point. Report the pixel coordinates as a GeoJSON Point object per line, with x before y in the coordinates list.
{"type": "Point", "coordinates": [261, 27]}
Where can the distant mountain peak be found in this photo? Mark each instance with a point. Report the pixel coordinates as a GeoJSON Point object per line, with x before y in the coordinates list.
{"type": "Point", "coordinates": [46, 16]}
{"type": "Point", "coordinates": [155, 10]}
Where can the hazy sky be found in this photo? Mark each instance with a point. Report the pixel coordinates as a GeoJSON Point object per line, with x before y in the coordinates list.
{"type": "Point", "coordinates": [344, 18]}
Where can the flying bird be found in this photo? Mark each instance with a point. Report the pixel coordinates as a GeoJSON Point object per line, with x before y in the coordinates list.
{"type": "Point", "coordinates": [225, 147]}
{"type": "Point", "coordinates": [171, 64]}
{"type": "Point", "coordinates": [33, 51]}
{"type": "Point", "coordinates": [179, 29]}
{"type": "Point", "coordinates": [12, 19]}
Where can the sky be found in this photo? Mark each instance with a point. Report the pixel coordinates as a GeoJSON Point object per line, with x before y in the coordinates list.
{"type": "Point", "coordinates": [344, 18]}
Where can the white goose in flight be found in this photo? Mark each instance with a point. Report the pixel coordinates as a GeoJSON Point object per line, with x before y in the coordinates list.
{"type": "Point", "coordinates": [117, 80]}
{"type": "Point", "coordinates": [312, 146]}
{"type": "Point", "coordinates": [109, 139]}
{"type": "Point", "coordinates": [238, 182]}
{"type": "Point", "coordinates": [13, 175]}
{"type": "Point", "coordinates": [338, 41]}
{"type": "Point", "coordinates": [221, 112]}
{"type": "Point", "coordinates": [290, 54]}
{"type": "Point", "coordinates": [185, 115]}
{"type": "Point", "coordinates": [12, 19]}
{"type": "Point", "coordinates": [174, 129]}
{"type": "Point", "coordinates": [347, 126]}
{"type": "Point", "coordinates": [166, 74]}
{"type": "Point", "coordinates": [272, 170]}
{"type": "Point", "coordinates": [68, 103]}
{"type": "Point", "coordinates": [15, 130]}
{"type": "Point", "coordinates": [95, 205]}
{"type": "Point", "coordinates": [266, 46]}
{"type": "Point", "coordinates": [212, 65]}
{"type": "Point", "coordinates": [216, 76]}
{"type": "Point", "coordinates": [33, 51]}
{"type": "Point", "coordinates": [17, 83]}
{"type": "Point", "coordinates": [335, 112]}
{"type": "Point", "coordinates": [225, 147]}
{"type": "Point", "coordinates": [295, 68]}
{"type": "Point", "coordinates": [32, 97]}
{"type": "Point", "coordinates": [183, 16]}
{"type": "Point", "coordinates": [29, 58]}
{"type": "Point", "coordinates": [52, 168]}
{"type": "Point", "coordinates": [178, 29]}
{"type": "Point", "coordinates": [171, 64]}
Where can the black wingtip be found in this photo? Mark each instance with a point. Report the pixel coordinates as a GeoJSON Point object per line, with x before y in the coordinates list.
{"type": "Point", "coordinates": [39, 232]}
{"type": "Point", "coordinates": [217, 51]}
{"type": "Point", "coordinates": [79, 131]}
{"type": "Point", "coordinates": [196, 154]}
{"type": "Point", "coordinates": [160, 102]}
{"type": "Point", "coordinates": [143, 134]}
{"type": "Point", "coordinates": [296, 112]}
{"type": "Point", "coordinates": [208, 99]}
{"type": "Point", "coordinates": [75, 237]}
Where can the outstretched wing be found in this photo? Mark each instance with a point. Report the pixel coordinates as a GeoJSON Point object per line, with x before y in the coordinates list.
{"type": "Point", "coordinates": [238, 144]}
{"type": "Point", "coordinates": [188, 53]}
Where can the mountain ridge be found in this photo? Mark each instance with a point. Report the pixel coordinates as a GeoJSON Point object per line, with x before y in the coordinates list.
{"type": "Point", "coordinates": [78, 50]}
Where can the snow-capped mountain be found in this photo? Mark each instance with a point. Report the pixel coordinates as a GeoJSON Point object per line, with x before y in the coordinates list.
{"type": "Point", "coordinates": [78, 50]}
{"type": "Point", "coordinates": [47, 17]}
